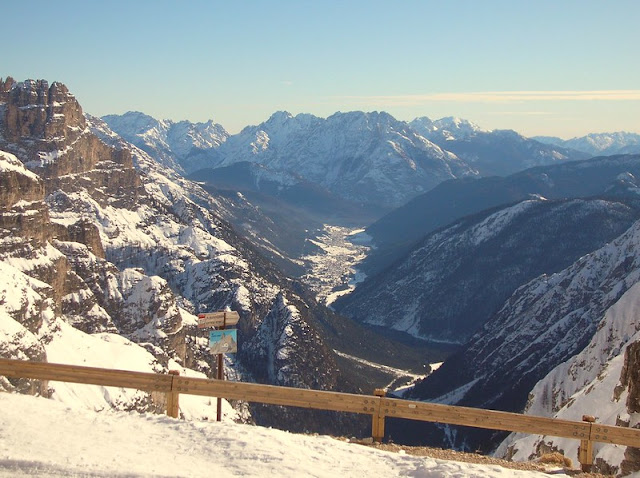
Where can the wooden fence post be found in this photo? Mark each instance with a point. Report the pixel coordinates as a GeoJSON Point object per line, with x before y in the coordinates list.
{"type": "Point", "coordinates": [585, 452]}
{"type": "Point", "coordinates": [377, 426]}
{"type": "Point", "coordinates": [173, 397]}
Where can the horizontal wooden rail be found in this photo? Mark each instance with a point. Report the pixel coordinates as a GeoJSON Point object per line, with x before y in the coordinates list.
{"type": "Point", "coordinates": [296, 397]}
{"type": "Point", "coordinates": [150, 382]}
{"type": "Point", "coordinates": [377, 406]}
{"type": "Point", "coordinates": [490, 419]}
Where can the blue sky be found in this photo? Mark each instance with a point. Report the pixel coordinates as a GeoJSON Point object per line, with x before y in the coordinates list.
{"type": "Point", "coordinates": [563, 68]}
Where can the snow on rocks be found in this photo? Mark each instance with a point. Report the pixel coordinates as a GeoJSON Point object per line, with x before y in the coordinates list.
{"type": "Point", "coordinates": [590, 382]}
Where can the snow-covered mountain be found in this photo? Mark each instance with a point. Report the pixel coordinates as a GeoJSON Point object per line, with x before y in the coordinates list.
{"type": "Point", "coordinates": [579, 320]}
{"type": "Point", "coordinates": [183, 146]}
{"type": "Point", "coordinates": [602, 380]}
{"type": "Point", "coordinates": [498, 152]}
{"type": "Point", "coordinates": [94, 248]}
{"type": "Point", "coordinates": [450, 128]}
{"type": "Point", "coordinates": [396, 233]}
{"type": "Point", "coordinates": [365, 157]}
{"type": "Point", "coordinates": [452, 282]}
{"type": "Point", "coordinates": [369, 161]}
{"type": "Point", "coordinates": [599, 144]}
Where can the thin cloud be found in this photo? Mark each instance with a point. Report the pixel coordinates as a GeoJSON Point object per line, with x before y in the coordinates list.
{"type": "Point", "coordinates": [520, 113]}
{"type": "Point", "coordinates": [499, 97]}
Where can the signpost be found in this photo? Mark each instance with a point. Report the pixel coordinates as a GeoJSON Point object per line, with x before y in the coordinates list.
{"type": "Point", "coordinates": [218, 319]}
{"type": "Point", "coordinates": [221, 341]}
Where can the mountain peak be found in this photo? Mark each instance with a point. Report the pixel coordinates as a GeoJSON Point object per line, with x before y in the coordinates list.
{"type": "Point", "coordinates": [134, 121]}
{"type": "Point", "coordinates": [459, 125]}
{"type": "Point", "coordinates": [280, 117]}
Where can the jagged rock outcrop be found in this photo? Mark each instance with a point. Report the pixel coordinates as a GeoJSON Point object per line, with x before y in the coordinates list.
{"type": "Point", "coordinates": [630, 376]}
{"type": "Point", "coordinates": [45, 125]}
{"type": "Point", "coordinates": [41, 112]}
{"type": "Point", "coordinates": [17, 183]}
{"type": "Point", "coordinates": [630, 380]}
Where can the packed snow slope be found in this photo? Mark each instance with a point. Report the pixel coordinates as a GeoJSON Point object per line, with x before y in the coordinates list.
{"type": "Point", "coordinates": [43, 438]}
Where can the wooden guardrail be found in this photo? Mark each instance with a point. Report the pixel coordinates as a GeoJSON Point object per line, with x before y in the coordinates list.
{"type": "Point", "coordinates": [378, 406]}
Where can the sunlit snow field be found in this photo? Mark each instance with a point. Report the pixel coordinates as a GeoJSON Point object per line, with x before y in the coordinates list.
{"type": "Point", "coordinates": [40, 437]}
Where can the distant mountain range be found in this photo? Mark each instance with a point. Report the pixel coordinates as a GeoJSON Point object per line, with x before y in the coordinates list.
{"type": "Point", "coordinates": [179, 146]}
{"type": "Point", "coordinates": [492, 153]}
{"type": "Point", "coordinates": [370, 159]}
{"type": "Point", "coordinates": [397, 232]}
{"type": "Point", "coordinates": [598, 144]}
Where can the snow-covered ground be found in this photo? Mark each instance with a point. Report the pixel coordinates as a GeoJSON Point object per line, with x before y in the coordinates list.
{"type": "Point", "coordinates": [40, 437]}
{"type": "Point", "coordinates": [332, 271]}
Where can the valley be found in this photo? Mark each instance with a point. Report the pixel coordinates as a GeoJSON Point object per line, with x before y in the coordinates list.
{"type": "Point", "coordinates": [358, 251]}
{"type": "Point", "coordinates": [333, 271]}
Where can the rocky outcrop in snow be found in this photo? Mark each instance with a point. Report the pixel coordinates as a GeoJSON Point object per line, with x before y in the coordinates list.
{"type": "Point", "coordinates": [602, 380]}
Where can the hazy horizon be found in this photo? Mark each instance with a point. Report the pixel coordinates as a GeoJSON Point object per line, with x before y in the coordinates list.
{"type": "Point", "coordinates": [561, 69]}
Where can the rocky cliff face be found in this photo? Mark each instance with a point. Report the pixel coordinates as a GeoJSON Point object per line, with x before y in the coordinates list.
{"type": "Point", "coordinates": [118, 258]}
{"type": "Point", "coordinates": [45, 127]}
{"type": "Point", "coordinates": [630, 377]}
{"type": "Point", "coordinates": [601, 381]}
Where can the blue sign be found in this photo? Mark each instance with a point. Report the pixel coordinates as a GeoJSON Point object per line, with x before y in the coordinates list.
{"type": "Point", "coordinates": [223, 341]}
